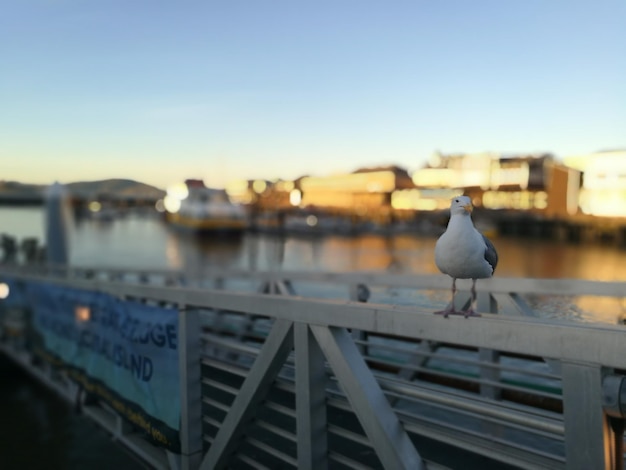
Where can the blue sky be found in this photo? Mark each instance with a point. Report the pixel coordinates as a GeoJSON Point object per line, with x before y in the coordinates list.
{"type": "Point", "coordinates": [161, 91]}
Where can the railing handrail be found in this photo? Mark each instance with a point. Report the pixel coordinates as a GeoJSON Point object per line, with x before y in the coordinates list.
{"type": "Point", "coordinates": [519, 285]}
{"type": "Point", "coordinates": [563, 340]}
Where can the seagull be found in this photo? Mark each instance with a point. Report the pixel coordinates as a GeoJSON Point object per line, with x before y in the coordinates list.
{"type": "Point", "coordinates": [462, 252]}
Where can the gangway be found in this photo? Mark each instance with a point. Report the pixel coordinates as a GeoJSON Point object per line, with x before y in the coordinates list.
{"type": "Point", "coordinates": [271, 378]}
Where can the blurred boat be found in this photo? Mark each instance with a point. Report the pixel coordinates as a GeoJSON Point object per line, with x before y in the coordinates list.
{"type": "Point", "coordinates": [196, 208]}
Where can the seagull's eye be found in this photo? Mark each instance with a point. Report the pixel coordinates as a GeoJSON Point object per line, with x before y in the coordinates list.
{"type": "Point", "coordinates": [456, 200]}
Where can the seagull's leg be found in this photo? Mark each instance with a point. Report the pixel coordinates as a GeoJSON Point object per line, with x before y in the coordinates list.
{"type": "Point", "coordinates": [471, 311]}
{"type": "Point", "coordinates": [450, 308]}
{"type": "Point", "coordinates": [453, 294]}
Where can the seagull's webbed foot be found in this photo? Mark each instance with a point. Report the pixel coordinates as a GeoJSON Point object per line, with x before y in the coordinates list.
{"type": "Point", "coordinates": [470, 312]}
{"type": "Point", "coordinates": [449, 310]}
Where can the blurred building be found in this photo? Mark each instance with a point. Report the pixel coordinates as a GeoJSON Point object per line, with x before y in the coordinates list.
{"type": "Point", "coordinates": [246, 191]}
{"type": "Point", "coordinates": [336, 202]}
{"type": "Point", "coordinates": [603, 190]}
{"type": "Point", "coordinates": [535, 183]}
{"type": "Point", "coordinates": [365, 193]}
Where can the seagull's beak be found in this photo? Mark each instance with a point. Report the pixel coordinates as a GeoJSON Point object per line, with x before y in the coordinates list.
{"type": "Point", "coordinates": [468, 208]}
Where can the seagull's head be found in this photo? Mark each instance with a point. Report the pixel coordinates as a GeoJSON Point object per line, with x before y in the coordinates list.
{"type": "Point", "coordinates": [461, 205]}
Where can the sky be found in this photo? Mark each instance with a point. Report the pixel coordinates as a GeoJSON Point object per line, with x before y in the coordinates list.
{"type": "Point", "coordinates": [159, 91]}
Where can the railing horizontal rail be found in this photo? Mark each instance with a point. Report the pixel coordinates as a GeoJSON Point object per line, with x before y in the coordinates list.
{"type": "Point", "coordinates": [285, 458]}
{"type": "Point", "coordinates": [276, 430]}
{"type": "Point", "coordinates": [546, 338]}
{"type": "Point", "coordinates": [517, 457]}
{"type": "Point", "coordinates": [498, 284]}
{"type": "Point", "coordinates": [453, 360]}
{"type": "Point", "coordinates": [546, 421]}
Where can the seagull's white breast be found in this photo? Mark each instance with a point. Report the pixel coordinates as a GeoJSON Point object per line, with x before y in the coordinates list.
{"type": "Point", "coordinates": [460, 251]}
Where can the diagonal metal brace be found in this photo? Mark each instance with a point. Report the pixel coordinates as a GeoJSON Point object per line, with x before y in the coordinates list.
{"type": "Point", "coordinates": [264, 371]}
{"type": "Point", "coordinates": [383, 428]}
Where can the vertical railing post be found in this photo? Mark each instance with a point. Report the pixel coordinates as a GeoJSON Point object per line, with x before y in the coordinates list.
{"type": "Point", "coordinates": [489, 370]}
{"type": "Point", "coordinates": [189, 357]}
{"type": "Point", "coordinates": [359, 293]}
{"type": "Point", "coordinates": [588, 436]}
{"type": "Point", "coordinates": [311, 411]}
{"type": "Point", "coordinates": [489, 373]}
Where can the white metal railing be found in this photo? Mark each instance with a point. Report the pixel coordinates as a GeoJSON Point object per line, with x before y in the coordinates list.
{"type": "Point", "coordinates": [498, 294]}
{"type": "Point", "coordinates": [278, 381]}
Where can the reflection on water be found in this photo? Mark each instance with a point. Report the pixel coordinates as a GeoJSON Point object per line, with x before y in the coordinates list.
{"type": "Point", "coordinates": [551, 259]}
{"type": "Point", "coordinates": [586, 308]}
{"type": "Point", "coordinates": [39, 431]}
{"type": "Point", "coordinates": [22, 222]}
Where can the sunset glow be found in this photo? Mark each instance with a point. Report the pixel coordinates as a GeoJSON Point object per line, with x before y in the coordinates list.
{"type": "Point", "coordinates": [278, 90]}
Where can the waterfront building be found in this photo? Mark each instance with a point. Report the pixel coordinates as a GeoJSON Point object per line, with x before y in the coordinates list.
{"type": "Point", "coordinates": [266, 196]}
{"type": "Point", "coordinates": [535, 183]}
{"type": "Point", "coordinates": [603, 190]}
{"type": "Point", "coordinates": [365, 193]}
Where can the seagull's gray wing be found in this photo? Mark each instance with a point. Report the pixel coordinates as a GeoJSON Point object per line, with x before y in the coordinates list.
{"type": "Point", "coordinates": [491, 255]}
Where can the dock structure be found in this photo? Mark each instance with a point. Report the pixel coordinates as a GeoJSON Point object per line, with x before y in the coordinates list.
{"type": "Point", "coordinates": [268, 377]}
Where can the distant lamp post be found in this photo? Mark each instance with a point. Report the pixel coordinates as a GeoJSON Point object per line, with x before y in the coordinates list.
{"type": "Point", "coordinates": [4, 290]}
{"type": "Point", "coordinates": [160, 206]}
{"type": "Point", "coordinates": [171, 204]}
{"type": "Point", "coordinates": [259, 186]}
{"type": "Point", "coordinates": [82, 313]}
{"type": "Point", "coordinates": [95, 206]}
{"type": "Point", "coordinates": [311, 221]}
{"type": "Point", "coordinates": [295, 197]}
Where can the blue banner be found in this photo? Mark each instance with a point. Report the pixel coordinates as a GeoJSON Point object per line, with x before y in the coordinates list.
{"type": "Point", "coordinates": [125, 352]}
